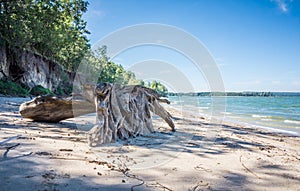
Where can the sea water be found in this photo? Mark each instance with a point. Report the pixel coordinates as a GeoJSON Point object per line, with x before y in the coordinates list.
{"type": "Point", "coordinates": [278, 113]}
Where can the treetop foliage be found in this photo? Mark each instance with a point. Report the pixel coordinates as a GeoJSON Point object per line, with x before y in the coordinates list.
{"type": "Point", "coordinates": [97, 67]}
{"type": "Point", "coordinates": [53, 28]}
{"type": "Point", "coordinates": [56, 29]}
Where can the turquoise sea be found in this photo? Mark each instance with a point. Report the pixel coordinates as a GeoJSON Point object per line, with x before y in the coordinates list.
{"type": "Point", "coordinates": [278, 113]}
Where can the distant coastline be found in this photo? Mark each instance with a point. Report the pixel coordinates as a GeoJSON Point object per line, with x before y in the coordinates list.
{"type": "Point", "coordinates": [246, 93]}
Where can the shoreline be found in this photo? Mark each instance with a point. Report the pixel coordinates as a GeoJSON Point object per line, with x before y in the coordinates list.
{"type": "Point", "coordinates": [290, 131]}
{"type": "Point", "coordinates": [200, 155]}
{"type": "Point", "coordinates": [266, 121]}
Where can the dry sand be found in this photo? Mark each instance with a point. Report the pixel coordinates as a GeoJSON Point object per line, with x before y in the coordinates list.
{"type": "Point", "coordinates": [201, 155]}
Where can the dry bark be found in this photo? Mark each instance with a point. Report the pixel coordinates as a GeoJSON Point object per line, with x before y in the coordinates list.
{"type": "Point", "coordinates": [124, 112]}
{"type": "Point", "coordinates": [53, 109]}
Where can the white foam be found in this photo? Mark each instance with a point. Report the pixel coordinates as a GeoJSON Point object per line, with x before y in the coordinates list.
{"type": "Point", "coordinates": [226, 113]}
{"type": "Point", "coordinates": [291, 121]}
{"type": "Point", "coordinates": [277, 130]}
{"type": "Point", "coordinates": [203, 107]}
{"type": "Point", "coordinates": [260, 116]}
{"type": "Point", "coordinates": [264, 119]}
{"type": "Point", "coordinates": [271, 129]}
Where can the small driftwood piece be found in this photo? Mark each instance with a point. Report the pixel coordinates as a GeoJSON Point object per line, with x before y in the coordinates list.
{"type": "Point", "coordinates": [124, 112]}
{"type": "Point", "coordinates": [53, 109]}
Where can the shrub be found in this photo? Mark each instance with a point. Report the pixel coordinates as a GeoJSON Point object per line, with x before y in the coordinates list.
{"type": "Point", "coordinates": [8, 87]}
{"type": "Point", "coordinates": [63, 90]}
{"type": "Point", "coordinates": [40, 90]}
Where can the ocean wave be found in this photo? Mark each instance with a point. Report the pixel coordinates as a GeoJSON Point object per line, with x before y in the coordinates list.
{"type": "Point", "coordinates": [264, 119]}
{"type": "Point", "coordinates": [177, 101]}
{"type": "Point", "coordinates": [291, 121]}
{"type": "Point", "coordinates": [235, 117]}
{"type": "Point", "coordinates": [203, 107]}
{"type": "Point", "coordinates": [226, 113]}
{"type": "Point", "coordinates": [260, 116]}
{"type": "Point", "coordinates": [290, 132]}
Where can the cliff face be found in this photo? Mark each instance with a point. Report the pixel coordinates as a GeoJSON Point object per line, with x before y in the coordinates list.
{"type": "Point", "coordinates": [31, 69]}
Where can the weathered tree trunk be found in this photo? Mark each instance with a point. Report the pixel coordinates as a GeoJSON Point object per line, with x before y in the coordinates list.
{"type": "Point", "coordinates": [53, 109]}
{"type": "Point", "coordinates": [122, 112]}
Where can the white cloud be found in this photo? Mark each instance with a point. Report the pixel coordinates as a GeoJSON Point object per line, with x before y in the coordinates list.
{"type": "Point", "coordinates": [95, 13]}
{"type": "Point", "coordinates": [275, 82]}
{"type": "Point", "coordinates": [296, 83]}
{"type": "Point", "coordinates": [220, 62]}
{"type": "Point", "coordinates": [222, 65]}
{"type": "Point", "coordinates": [282, 5]}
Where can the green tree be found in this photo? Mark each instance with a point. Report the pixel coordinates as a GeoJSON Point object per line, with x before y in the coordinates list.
{"type": "Point", "coordinates": [104, 70]}
{"type": "Point", "coordinates": [158, 87]}
{"type": "Point", "coordinates": [97, 65]}
{"type": "Point", "coordinates": [53, 28]}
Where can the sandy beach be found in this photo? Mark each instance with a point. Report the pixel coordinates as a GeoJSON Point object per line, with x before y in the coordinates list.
{"type": "Point", "coordinates": [200, 155]}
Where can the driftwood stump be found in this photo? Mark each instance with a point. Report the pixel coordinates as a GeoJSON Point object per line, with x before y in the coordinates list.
{"type": "Point", "coordinates": [122, 112]}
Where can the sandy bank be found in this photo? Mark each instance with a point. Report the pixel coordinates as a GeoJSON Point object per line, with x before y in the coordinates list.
{"type": "Point", "coordinates": [201, 155]}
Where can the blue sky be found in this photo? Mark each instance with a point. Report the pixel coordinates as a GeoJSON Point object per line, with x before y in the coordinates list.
{"type": "Point", "coordinates": [256, 44]}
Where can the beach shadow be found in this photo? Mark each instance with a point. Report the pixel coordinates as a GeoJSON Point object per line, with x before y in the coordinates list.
{"type": "Point", "coordinates": [196, 142]}
{"type": "Point", "coordinates": [27, 174]}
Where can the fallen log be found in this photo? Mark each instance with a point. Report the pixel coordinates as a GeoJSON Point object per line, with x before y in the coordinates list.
{"type": "Point", "coordinates": [53, 109]}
